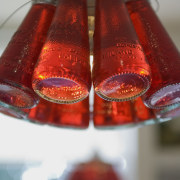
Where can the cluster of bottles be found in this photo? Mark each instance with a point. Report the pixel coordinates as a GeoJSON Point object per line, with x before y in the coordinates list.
{"type": "Point", "coordinates": [45, 71]}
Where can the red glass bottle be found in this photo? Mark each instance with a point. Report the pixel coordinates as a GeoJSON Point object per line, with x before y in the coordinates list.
{"type": "Point", "coordinates": [120, 70]}
{"type": "Point", "coordinates": [122, 114]}
{"type": "Point", "coordinates": [62, 115]}
{"type": "Point", "coordinates": [42, 113]}
{"type": "Point", "coordinates": [19, 58]}
{"type": "Point", "coordinates": [142, 114]}
{"type": "Point", "coordinates": [72, 115]}
{"type": "Point", "coordinates": [111, 114]}
{"type": "Point", "coordinates": [62, 74]}
{"type": "Point", "coordinates": [163, 57]}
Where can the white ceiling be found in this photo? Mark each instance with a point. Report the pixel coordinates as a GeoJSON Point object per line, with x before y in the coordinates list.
{"type": "Point", "coordinates": [169, 10]}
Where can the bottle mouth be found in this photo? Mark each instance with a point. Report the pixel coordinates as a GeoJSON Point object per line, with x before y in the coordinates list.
{"type": "Point", "coordinates": [61, 90]}
{"type": "Point", "coordinates": [15, 95]}
{"type": "Point", "coordinates": [123, 87]}
{"type": "Point", "coordinates": [166, 96]}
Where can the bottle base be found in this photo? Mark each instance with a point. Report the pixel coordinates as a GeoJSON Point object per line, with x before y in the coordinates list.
{"type": "Point", "coordinates": [166, 96]}
{"type": "Point", "coordinates": [123, 87]}
{"type": "Point", "coordinates": [12, 94]}
{"type": "Point", "coordinates": [61, 90]}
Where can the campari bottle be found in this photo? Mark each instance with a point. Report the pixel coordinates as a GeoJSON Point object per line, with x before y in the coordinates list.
{"type": "Point", "coordinates": [62, 74]}
{"type": "Point", "coordinates": [120, 69]}
{"type": "Point", "coordinates": [20, 56]}
{"type": "Point", "coordinates": [161, 53]}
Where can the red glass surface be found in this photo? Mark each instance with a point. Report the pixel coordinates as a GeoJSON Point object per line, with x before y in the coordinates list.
{"type": "Point", "coordinates": [62, 74]}
{"type": "Point", "coordinates": [63, 115]}
{"type": "Point", "coordinates": [42, 113]}
{"type": "Point", "coordinates": [72, 115]}
{"type": "Point", "coordinates": [163, 57]}
{"type": "Point", "coordinates": [111, 114]}
{"type": "Point", "coordinates": [18, 60]}
{"type": "Point", "coordinates": [120, 70]}
{"type": "Point", "coordinates": [141, 112]}
{"type": "Point", "coordinates": [122, 114]}
{"type": "Point", "coordinates": [94, 170]}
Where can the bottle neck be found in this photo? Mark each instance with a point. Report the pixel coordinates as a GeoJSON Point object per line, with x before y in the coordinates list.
{"type": "Point", "coordinates": [52, 2]}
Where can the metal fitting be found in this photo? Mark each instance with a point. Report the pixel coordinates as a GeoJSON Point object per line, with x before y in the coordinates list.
{"type": "Point", "coordinates": [53, 2]}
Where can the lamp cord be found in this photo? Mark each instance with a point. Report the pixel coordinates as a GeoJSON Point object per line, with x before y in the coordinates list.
{"type": "Point", "coordinates": [158, 5]}
{"type": "Point", "coordinates": [156, 9]}
{"type": "Point", "coordinates": [12, 14]}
